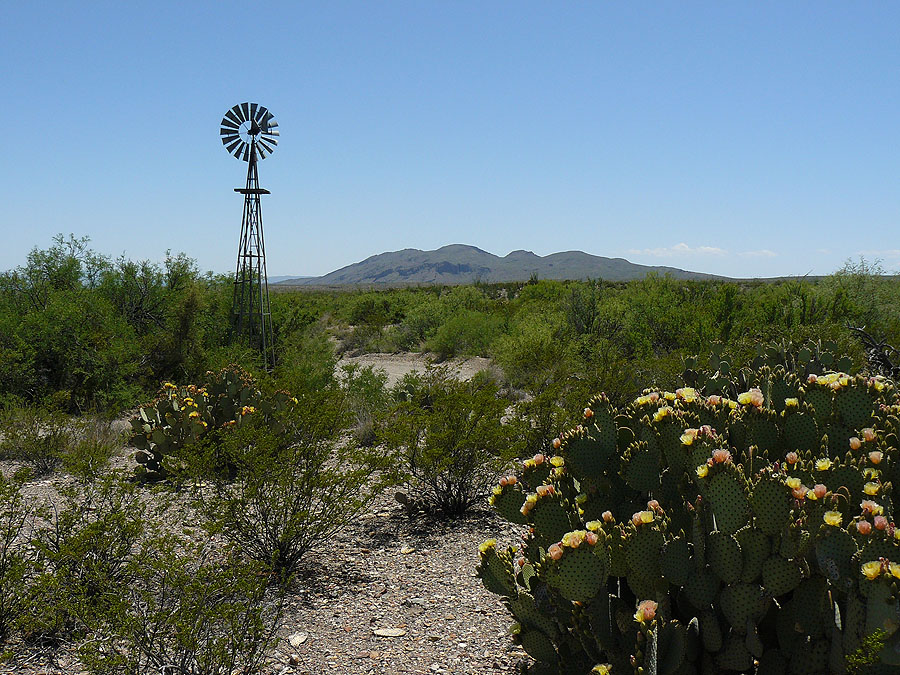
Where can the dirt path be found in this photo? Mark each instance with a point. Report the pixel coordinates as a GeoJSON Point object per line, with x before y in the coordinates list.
{"type": "Point", "coordinates": [398, 365]}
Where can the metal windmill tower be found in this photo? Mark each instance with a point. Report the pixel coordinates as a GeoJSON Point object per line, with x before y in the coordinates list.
{"type": "Point", "coordinates": [249, 133]}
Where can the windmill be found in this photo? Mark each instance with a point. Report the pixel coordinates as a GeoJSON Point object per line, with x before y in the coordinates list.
{"type": "Point", "coordinates": [249, 133]}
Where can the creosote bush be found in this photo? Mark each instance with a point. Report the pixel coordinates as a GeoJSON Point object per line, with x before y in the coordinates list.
{"type": "Point", "coordinates": [16, 522]}
{"type": "Point", "coordinates": [190, 610]}
{"type": "Point", "coordinates": [447, 440]}
{"type": "Point", "coordinates": [294, 483]}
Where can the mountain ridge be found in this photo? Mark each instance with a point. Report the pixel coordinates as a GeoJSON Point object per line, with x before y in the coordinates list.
{"type": "Point", "coordinates": [465, 264]}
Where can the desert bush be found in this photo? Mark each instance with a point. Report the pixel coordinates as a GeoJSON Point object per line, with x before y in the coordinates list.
{"type": "Point", "coordinates": [16, 522]}
{"type": "Point", "coordinates": [95, 442]}
{"type": "Point", "coordinates": [293, 487]}
{"type": "Point", "coordinates": [38, 437]}
{"type": "Point", "coordinates": [188, 610]}
{"type": "Point", "coordinates": [366, 398]}
{"type": "Point", "coordinates": [447, 440]}
{"type": "Point", "coordinates": [466, 332]}
{"type": "Point", "coordinates": [83, 554]}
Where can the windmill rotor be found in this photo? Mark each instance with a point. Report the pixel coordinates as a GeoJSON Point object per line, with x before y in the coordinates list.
{"type": "Point", "coordinates": [249, 126]}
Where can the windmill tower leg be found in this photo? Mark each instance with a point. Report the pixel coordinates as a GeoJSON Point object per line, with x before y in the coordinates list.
{"type": "Point", "coordinates": [251, 317]}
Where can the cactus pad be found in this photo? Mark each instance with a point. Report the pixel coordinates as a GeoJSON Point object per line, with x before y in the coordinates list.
{"type": "Point", "coordinates": [754, 549]}
{"type": "Point", "coordinates": [675, 561]}
{"type": "Point", "coordinates": [538, 646]}
{"type": "Point", "coordinates": [580, 574]}
{"type": "Point", "coordinates": [701, 588]}
{"type": "Point", "coordinates": [855, 407]}
{"type": "Point", "coordinates": [724, 555]}
{"type": "Point", "coordinates": [741, 603]}
{"type": "Point", "coordinates": [729, 503]}
{"type": "Point", "coordinates": [801, 432]}
{"type": "Point", "coordinates": [771, 505]}
{"type": "Point", "coordinates": [640, 466]}
{"type": "Point", "coordinates": [834, 551]}
{"type": "Point", "coordinates": [642, 547]}
{"type": "Point", "coordinates": [780, 576]}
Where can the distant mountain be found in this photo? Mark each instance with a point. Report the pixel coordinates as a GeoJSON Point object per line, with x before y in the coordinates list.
{"type": "Point", "coordinates": [462, 264]}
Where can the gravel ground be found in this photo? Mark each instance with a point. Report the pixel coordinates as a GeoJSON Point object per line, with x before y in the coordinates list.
{"type": "Point", "coordinates": [410, 578]}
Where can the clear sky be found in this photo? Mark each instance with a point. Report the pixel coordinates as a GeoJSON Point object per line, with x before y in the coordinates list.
{"type": "Point", "coordinates": [737, 138]}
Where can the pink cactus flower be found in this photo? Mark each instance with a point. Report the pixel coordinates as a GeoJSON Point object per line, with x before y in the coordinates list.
{"type": "Point", "coordinates": [880, 522]}
{"type": "Point", "coordinates": [646, 611]}
{"type": "Point", "coordinates": [539, 458]}
{"type": "Point", "coordinates": [591, 538]}
{"type": "Point", "coordinates": [588, 413]}
{"type": "Point", "coordinates": [875, 456]}
{"type": "Point", "coordinates": [820, 491]}
{"type": "Point", "coordinates": [799, 492]}
{"type": "Point", "coordinates": [555, 551]}
{"type": "Point", "coordinates": [792, 458]}
{"type": "Point", "coordinates": [855, 443]}
{"type": "Point", "coordinates": [607, 517]}
{"type": "Point", "coordinates": [721, 456]}
{"type": "Point", "coordinates": [868, 434]}
{"type": "Point", "coordinates": [863, 527]}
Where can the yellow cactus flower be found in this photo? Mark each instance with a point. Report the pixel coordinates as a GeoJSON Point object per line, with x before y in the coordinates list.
{"type": "Point", "coordinates": [702, 470]}
{"type": "Point", "coordinates": [895, 570]}
{"type": "Point", "coordinates": [823, 464]}
{"type": "Point", "coordinates": [871, 569]}
{"type": "Point", "coordinates": [793, 482]}
{"type": "Point", "coordinates": [602, 669]}
{"type": "Point", "coordinates": [646, 517]}
{"type": "Point", "coordinates": [662, 413]}
{"type": "Point", "coordinates": [871, 489]}
{"type": "Point", "coordinates": [669, 396]}
{"type": "Point", "coordinates": [557, 461]}
{"type": "Point", "coordinates": [486, 546]}
{"type": "Point", "coordinates": [194, 414]}
{"type": "Point", "coordinates": [833, 518]}
{"type": "Point", "coordinates": [791, 403]}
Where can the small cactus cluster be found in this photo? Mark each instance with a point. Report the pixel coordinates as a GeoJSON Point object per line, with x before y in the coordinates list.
{"type": "Point", "coordinates": [702, 534]}
{"type": "Point", "coordinates": [182, 414]}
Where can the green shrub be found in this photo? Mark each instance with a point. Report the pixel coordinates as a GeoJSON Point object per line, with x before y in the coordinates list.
{"type": "Point", "coordinates": [294, 485]}
{"type": "Point", "coordinates": [16, 522]}
{"type": "Point", "coordinates": [447, 440]}
{"type": "Point", "coordinates": [38, 437]}
{"type": "Point", "coordinates": [466, 332]}
{"type": "Point", "coordinates": [186, 611]}
{"type": "Point", "coordinates": [84, 555]}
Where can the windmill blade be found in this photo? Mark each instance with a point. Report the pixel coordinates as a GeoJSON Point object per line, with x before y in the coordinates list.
{"type": "Point", "coordinates": [229, 140]}
{"type": "Point", "coordinates": [271, 123]}
{"type": "Point", "coordinates": [245, 109]}
{"type": "Point", "coordinates": [252, 115]}
{"type": "Point", "coordinates": [260, 144]}
{"type": "Point", "coordinates": [227, 131]}
{"type": "Point", "coordinates": [232, 117]}
{"type": "Point", "coordinates": [246, 156]}
{"type": "Point", "coordinates": [235, 143]}
{"type": "Point", "coordinates": [263, 117]}
{"type": "Point", "coordinates": [239, 114]}
{"type": "Point", "coordinates": [230, 126]}
{"type": "Point", "coordinates": [260, 151]}
{"type": "Point", "coordinates": [272, 132]}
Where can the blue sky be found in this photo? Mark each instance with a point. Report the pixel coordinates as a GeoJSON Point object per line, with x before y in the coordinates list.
{"type": "Point", "coordinates": [747, 139]}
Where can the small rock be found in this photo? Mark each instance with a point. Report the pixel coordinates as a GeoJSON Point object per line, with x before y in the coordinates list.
{"type": "Point", "coordinates": [298, 639]}
{"type": "Point", "coordinates": [389, 632]}
{"type": "Point", "coordinates": [406, 550]}
{"type": "Point", "coordinates": [294, 659]}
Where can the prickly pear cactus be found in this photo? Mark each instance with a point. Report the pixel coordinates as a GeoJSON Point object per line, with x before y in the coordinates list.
{"type": "Point", "coordinates": [183, 414]}
{"type": "Point", "coordinates": [706, 534]}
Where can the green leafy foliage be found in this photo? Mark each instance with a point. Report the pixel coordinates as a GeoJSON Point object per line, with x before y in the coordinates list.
{"type": "Point", "coordinates": [293, 486]}
{"type": "Point", "coordinates": [447, 440]}
{"type": "Point", "coordinates": [16, 569]}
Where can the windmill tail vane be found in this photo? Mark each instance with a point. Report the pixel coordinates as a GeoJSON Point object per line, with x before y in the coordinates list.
{"type": "Point", "coordinates": [250, 133]}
